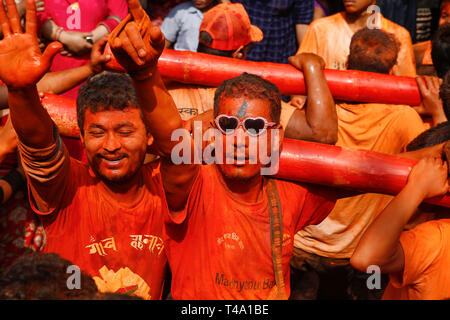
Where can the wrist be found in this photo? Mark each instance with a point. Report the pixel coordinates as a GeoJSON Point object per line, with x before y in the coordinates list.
{"type": "Point", "coordinates": [415, 191]}
{"type": "Point", "coordinates": [57, 35]}
{"type": "Point", "coordinates": [144, 74]}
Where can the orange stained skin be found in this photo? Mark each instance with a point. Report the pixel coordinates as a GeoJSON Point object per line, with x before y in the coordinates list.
{"type": "Point", "coordinates": [241, 142]}
{"type": "Point", "coordinates": [23, 63]}
{"type": "Point", "coordinates": [116, 142]}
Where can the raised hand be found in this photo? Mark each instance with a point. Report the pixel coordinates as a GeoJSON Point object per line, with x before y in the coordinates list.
{"type": "Point", "coordinates": [98, 58]}
{"type": "Point", "coordinates": [137, 44]}
{"type": "Point", "coordinates": [22, 63]}
{"type": "Point", "coordinates": [430, 177]}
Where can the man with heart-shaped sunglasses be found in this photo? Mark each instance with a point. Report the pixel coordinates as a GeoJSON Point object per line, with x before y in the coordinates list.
{"type": "Point", "coordinates": [222, 216]}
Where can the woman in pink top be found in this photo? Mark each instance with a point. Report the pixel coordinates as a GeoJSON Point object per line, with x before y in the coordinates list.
{"type": "Point", "coordinates": [77, 25]}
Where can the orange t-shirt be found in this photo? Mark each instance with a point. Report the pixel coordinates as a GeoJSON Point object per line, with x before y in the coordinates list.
{"type": "Point", "coordinates": [119, 244]}
{"type": "Point", "coordinates": [426, 273]}
{"type": "Point", "coordinates": [330, 38]}
{"type": "Point", "coordinates": [220, 247]}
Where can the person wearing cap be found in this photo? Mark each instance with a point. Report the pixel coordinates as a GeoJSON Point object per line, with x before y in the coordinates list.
{"type": "Point", "coordinates": [180, 27]}
{"type": "Point", "coordinates": [226, 30]}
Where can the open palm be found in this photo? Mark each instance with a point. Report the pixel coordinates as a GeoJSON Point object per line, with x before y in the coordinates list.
{"type": "Point", "coordinates": [22, 63]}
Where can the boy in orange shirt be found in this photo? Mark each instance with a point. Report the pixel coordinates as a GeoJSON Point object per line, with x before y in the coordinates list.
{"type": "Point", "coordinates": [330, 37]}
{"type": "Point", "coordinates": [416, 260]}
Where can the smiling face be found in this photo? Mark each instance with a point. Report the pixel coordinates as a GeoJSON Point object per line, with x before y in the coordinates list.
{"type": "Point", "coordinates": [116, 143]}
{"type": "Point", "coordinates": [240, 150]}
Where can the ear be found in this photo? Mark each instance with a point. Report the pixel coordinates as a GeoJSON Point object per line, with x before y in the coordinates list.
{"type": "Point", "coordinates": [239, 53]}
{"type": "Point", "coordinates": [150, 139]}
{"type": "Point", "coordinates": [82, 140]}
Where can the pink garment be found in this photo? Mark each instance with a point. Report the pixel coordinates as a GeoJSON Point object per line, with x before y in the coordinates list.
{"type": "Point", "coordinates": [83, 16]}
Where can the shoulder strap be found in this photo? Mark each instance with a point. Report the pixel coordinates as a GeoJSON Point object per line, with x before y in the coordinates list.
{"type": "Point", "coordinates": [276, 234]}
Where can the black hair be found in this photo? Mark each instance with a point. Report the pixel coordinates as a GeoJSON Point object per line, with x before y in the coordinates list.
{"type": "Point", "coordinates": [106, 91]}
{"type": "Point", "coordinates": [253, 87]}
{"type": "Point", "coordinates": [440, 50]}
{"type": "Point", "coordinates": [431, 137]}
{"type": "Point", "coordinates": [373, 50]}
{"type": "Point", "coordinates": [43, 276]}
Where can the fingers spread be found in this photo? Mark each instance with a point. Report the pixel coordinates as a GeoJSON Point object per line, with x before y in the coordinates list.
{"type": "Point", "coordinates": [31, 23]}
{"type": "Point", "coordinates": [50, 52]}
{"type": "Point", "coordinates": [4, 21]}
{"type": "Point", "coordinates": [13, 15]}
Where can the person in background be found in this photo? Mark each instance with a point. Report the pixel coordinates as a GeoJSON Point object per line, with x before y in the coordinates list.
{"type": "Point", "coordinates": [283, 23]}
{"type": "Point", "coordinates": [180, 27]}
{"type": "Point", "coordinates": [320, 263]}
{"type": "Point", "coordinates": [416, 260]}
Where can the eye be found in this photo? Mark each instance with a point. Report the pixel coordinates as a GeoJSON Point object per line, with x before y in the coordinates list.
{"type": "Point", "coordinates": [254, 126]}
{"type": "Point", "coordinates": [96, 133]}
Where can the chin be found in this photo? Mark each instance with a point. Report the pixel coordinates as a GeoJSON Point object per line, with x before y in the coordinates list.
{"type": "Point", "coordinates": [243, 173]}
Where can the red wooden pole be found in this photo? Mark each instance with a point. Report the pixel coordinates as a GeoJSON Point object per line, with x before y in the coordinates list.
{"type": "Point", "coordinates": [303, 161]}
{"type": "Point", "coordinates": [350, 85]}
{"type": "Point", "coordinates": [341, 167]}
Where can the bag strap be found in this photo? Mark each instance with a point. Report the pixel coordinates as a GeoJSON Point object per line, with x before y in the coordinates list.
{"type": "Point", "coordinates": [276, 235]}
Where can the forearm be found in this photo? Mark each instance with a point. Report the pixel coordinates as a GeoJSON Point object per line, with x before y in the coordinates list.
{"type": "Point", "coordinates": [49, 30]}
{"type": "Point", "coordinates": [32, 123]}
{"type": "Point", "coordinates": [61, 81]}
{"type": "Point", "coordinates": [3, 97]}
{"type": "Point", "coordinates": [380, 243]}
{"type": "Point", "coordinates": [320, 109]}
{"type": "Point", "coordinates": [300, 31]}
{"type": "Point", "coordinates": [159, 110]}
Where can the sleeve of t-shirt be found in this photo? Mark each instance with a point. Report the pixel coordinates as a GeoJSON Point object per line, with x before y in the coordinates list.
{"type": "Point", "coordinates": [318, 203]}
{"type": "Point", "coordinates": [303, 11]}
{"type": "Point", "coordinates": [421, 247]}
{"type": "Point", "coordinates": [409, 126]}
{"type": "Point", "coordinates": [310, 42]}
{"type": "Point", "coordinates": [286, 113]}
{"type": "Point", "coordinates": [117, 11]}
{"type": "Point", "coordinates": [47, 172]}
{"type": "Point", "coordinates": [170, 27]}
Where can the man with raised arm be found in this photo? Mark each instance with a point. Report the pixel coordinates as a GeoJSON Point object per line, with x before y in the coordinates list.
{"type": "Point", "coordinates": [222, 215]}
{"type": "Point", "coordinates": [105, 216]}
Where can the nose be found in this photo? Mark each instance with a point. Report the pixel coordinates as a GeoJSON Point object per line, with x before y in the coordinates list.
{"type": "Point", "coordinates": [240, 139]}
{"type": "Point", "coordinates": [112, 144]}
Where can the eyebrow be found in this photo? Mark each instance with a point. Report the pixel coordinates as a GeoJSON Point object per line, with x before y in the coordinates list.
{"type": "Point", "coordinates": [120, 125]}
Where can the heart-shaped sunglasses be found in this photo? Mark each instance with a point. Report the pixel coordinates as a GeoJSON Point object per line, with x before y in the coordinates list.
{"type": "Point", "coordinates": [253, 126]}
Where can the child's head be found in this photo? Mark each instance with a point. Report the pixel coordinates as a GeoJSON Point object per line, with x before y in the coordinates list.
{"type": "Point", "coordinates": [373, 50]}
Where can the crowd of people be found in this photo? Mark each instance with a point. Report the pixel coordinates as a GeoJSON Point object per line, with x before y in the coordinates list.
{"type": "Point", "coordinates": [141, 217]}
